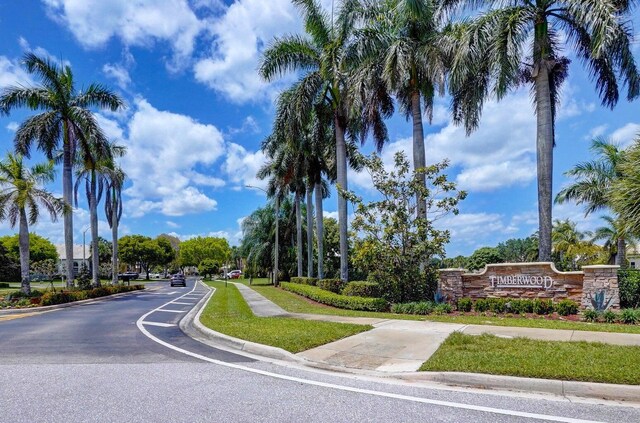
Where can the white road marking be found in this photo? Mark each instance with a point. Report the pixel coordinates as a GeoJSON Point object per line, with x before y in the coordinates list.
{"type": "Point", "coordinates": [175, 302]}
{"type": "Point", "coordinates": [162, 325]}
{"type": "Point", "coordinates": [545, 417]}
{"type": "Point", "coordinates": [171, 311]}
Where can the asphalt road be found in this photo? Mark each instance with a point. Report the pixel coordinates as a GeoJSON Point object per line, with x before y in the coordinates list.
{"type": "Point", "coordinates": [92, 363]}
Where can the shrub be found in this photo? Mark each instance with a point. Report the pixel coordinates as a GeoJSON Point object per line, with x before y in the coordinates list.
{"type": "Point", "coordinates": [497, 305]}
{"type": "Point", "coordinates": [481, 305]}
{"type": "Point", "coordinates": [304, 280]}
{"type": "Point", "coordinates": [99, 292]}
{"type": "Point", "coordinates": [610, 316]}
{"type": "Point", "coordinates": [520, 306]}
{"type": "Point", "coordinates": [341, 301]}
{"type": "Point", "coordinates": [465, 304]}
{"type": "Point", "coordinates": [590, 315]}
{"type": "Point", "coordinates": [422, 308]}
{"type": "Point", "coordinates": [333, 285]}
{"type": "Point", "coordinates": [362, 289]}
{"type": "Point", "coordinates": [629, 316]}
{"type": "Point", "coordinates": [4, 285]}
{"type": "Point", "coordinates": [542, 306]}
{"type": "Point", "coordinates": [442, 308]}
{"type": "Point", "coordinates": [629, 284]}
{"type": "Point", "coordinates": [566, 307]}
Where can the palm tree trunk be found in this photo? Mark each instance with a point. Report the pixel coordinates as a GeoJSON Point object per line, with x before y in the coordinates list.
{"type": "Point", "coordinates": [544, 147]}
{"type": "Point", "coordinates": [67, 192]}
{"type": "Point", "coordinates": [341, 164]}
{"type": "Point", "coordinates": [23, 245]}
{"type": "Point", "coordinates": [419, 156]}
{"type": "Point", "coordinates": [621, 253]}
{"type": "Point", "coordinates": [114, 246]}
{"type": "Point", "coordinates": [319, 229]}
{"type": "Point", "coordinates": [277, 246]}
{"type": "Point", "coordinates": [93, 215]}
{"type": "Point", "coordinates": [299, 232]}
{"type": "Point", "coordinates": [309, 230]}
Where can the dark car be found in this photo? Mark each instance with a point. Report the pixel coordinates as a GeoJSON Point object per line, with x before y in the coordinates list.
{"type": "Point", "coordinates": [127, 276]}
{"type": "Point", "coordinates": [178, 279]}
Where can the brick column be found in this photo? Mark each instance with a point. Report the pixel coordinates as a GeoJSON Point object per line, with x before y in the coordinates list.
{"type": "Point", "coordinates": [599, 280]}
{"type": "Point", "coordinates": [450, 284]}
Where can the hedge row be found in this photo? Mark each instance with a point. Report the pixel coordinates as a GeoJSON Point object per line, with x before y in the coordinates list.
{"type": "Point", "coordinates": [331, 298]}
{"type": "Point", "coordinates": [422, 308]}
{"type": "Point", "coordinates": [51, 298]}
{"type": "Point", "coordinates": [304, 280]}
{"type": "Point", "coordinates": [517, 306]}
{"type": "Point", "coordinates": [4, 285]}
{"type": "Point", "coordinates": [362, 289]}
{"type": "Point", "coordinates": [333, 285]}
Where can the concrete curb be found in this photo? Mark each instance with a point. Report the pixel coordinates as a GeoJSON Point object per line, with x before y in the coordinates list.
{"type": "Point", "coordinates": [191, 325]}
{"type": "Point", "coordinates": [8, 312]}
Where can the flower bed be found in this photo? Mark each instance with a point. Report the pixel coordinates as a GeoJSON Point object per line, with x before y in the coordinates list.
{"type": "Point", "coordinates": [39, 298]}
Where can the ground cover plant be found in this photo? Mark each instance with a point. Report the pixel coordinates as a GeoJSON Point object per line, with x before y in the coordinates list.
{"type": "Point", "coordinates": [228, 313]}
{"type": "Point", "coordinates": [18, 299]}
{"type": "Point", "coordinates": [589, 362]}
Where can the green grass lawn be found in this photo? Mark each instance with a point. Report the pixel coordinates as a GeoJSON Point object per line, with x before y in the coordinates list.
{"type": "Point", "coordinates": [228, 313]}
{"type": "Point", "coordinates": [580, 361]}
{"type": "Point", "coordinates": [294, 303]}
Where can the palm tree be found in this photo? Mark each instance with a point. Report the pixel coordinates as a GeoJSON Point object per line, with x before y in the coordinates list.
{"type": "Point", "coordinates": [616, 238]}
{"type": "Point", "coordinates": [402, 46]}
{"type": "Point", "coordinates": [65, 119]}
{"type": "Point", "coordinates": [323, 60]}
{"type": "Point", "coordinates": [592, 188]}
{"type": "Point", "coordinates": [571, 245]}
{"type": "Point", "coordinates": [521, 42]}
{"type": "Point", "coordinates": [94, 167]}
{"type": "Point", "coordinates": [22, 193]}
{"type": "Point", "coordinates": [113, 212]}
{"type": "Point", "coordinates": [626, 190]}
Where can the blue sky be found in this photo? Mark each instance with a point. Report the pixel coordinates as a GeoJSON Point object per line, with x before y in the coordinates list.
{"type": "Point", "coordinates": [197, 112]}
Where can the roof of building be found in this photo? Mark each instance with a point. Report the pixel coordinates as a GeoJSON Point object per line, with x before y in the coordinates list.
{"type": "Point", "coordinates": [77, 251]}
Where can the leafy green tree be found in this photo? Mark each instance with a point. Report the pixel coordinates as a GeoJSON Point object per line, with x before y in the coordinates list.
{"type": "Point", "coordinates": [9, 267]}
{"type": "Point", "coordinates": [209, 267]}
{"type": "Point", "coordinates": [167, 252]}
{"type": "Point", "coordinates": [519, 250]}
{"type": "Point", "coordinates": [457, 262]}
{"type": "Point", "coordinates": [40, 248]}
{"type": "Point", "coordinates": [322, 58]}
{"type": "Point", "coordinates": [140, 250]}
{"type": "Point", "coordinates": [195, 250]}
{"type": "Point", "coordinates": [483, 256]}
{"type": "Point", "coordinates": [521, 42]}
{"type": "Point", "coordinates": [47, 268]}
{"type": "Point", "coordinates": [21, 197]}
{"type": "Point", "coordinates": [104, 250]}
{"type": "Point", "coordinates": [395, 243]}
{"type": "Point", "coordinates": [65, 124]}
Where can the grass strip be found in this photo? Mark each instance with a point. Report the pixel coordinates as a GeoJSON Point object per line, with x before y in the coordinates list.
{"type": "Point", "coordinates": [227, 312]}
{"type": "Point", "coordinates": [294, 303]}
{"type": "Point", "coordinates": [578, 361]}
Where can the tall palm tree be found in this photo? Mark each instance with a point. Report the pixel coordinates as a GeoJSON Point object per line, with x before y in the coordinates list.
{"type": "Point", "coordinates": [572, 245]}
{"type": "Point", "coordinates": [522, 42]}
{"type": "Point", "coordinates": [401, 44]}
{"type": "Point", "coordinates": [65, 121]}
{"type": "Point", "coordinates": [615, 237]}
{"type": "Point", "coordinates": [592, 187]}
{"type": "Point", "coordinates": [21, 195]}
{"type": "Point", "coordinates": [113, 212]}
{"type": "Point", "coordinates": [322, 59]}
{"type": "Point", "coordinates": [94, 167]}
{"type": "Point", "coordinates": [626, 190]}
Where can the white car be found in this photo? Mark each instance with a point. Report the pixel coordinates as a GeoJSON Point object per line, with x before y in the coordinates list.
{"type": "Point", "coordinates": [234, 274]}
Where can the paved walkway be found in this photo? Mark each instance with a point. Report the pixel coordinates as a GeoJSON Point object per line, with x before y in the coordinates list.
{"type": "Point", "coordinates": [403, 345]}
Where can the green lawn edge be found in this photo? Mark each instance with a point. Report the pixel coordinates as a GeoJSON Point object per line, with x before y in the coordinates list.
{"type": "Point", "coordinates": [227, 312]}
{"type": "Point", "coordinates": [294, 303]}
{"type": "Point", "coordinates": [575, 361]}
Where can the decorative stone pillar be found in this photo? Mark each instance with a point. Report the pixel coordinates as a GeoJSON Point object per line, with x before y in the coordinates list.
{"type": "Point", "coordinates": [601, 286]}
{"type": "Point", "coordinates": [450, 284]}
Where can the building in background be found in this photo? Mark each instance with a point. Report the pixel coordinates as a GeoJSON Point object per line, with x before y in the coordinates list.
{"type": "Point", "coordinates": [79, 257]}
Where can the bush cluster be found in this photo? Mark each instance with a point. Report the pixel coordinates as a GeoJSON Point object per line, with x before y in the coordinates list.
{"type": "Point", "coordinates": [304, 280]}
{"type": "Point", "coordinates": [333, 285]}
{"type": "Point", "coordinates": [331, 298]}
{"type": "Point", "coordinates": [518, 306]}
{"type": "Point", "coordinates": [51, 298]}
{"type": "Point", "coordinates": [421, 307]}
{"type": "Point", "coordinates": [629, 316]}
{"type": "Point", "coordinates": [362, 289]}
{"type": "Point", "coordinates": [4, 285]}
{"type": "Point", "coordinates": [629, 284]}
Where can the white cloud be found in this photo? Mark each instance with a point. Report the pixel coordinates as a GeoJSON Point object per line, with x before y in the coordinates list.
{"type": "Point", "coordinates": [596, 132]}
{"type": "Point", "coordinates": [474, 229]}
{"type": "Point", "coordinates": [163, 150]}
{"type": "Point", "coordinates": [241, 166]}
{"type": "Point", "coordinates": [332, 215]}
{"type": "Point", "coordinates": [490, 177]}
{"type": "Point", "coordinates": [118, 73]}
{"type": "Point", "coordinates": [239, 36]}
{"type": "Point", "coordinates": [249, 125]}
{"type": "Point", "coordinates": [12, 126]}
{"type": "Point", "coordinates": [172, 224]}
{"type": "Point", "coordinates": [12, 74]}
{"type": "Point", "coordinates": [136, 23]}
{"type": "Point", "coordinates": [626, 134]}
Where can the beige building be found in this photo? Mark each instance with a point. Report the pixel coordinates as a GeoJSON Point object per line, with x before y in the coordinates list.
{"type": "Point", "coordinates": [79, 256]}
{"type": "Point", "coordinates": [633, 255]}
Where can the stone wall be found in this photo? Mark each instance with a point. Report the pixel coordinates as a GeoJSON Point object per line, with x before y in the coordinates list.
{"type": "Point", "coordinates": [532, 280]}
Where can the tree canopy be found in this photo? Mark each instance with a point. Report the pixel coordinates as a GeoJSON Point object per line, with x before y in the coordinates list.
{"type": "Point", "coordinates": [40, 248]}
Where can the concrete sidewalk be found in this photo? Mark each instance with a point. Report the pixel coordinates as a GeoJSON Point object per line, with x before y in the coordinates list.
{"type": "Point", "coordinates": [394, 346]}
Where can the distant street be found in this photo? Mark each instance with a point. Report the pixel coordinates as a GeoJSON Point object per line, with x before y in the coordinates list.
{"type": "Point", "coordinates": [92, 363]}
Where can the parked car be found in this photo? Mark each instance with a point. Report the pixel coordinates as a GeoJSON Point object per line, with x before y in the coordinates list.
{"type": "Point", "coordinates": [127, 276]}
{"type": "Point", "coordinates": [178, 279]}
{"type": "Point", "coordinates": [234, 274]}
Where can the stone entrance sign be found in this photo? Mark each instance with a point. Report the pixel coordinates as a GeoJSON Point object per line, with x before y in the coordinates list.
{"type": "Point", "coordinates": [532, 280]}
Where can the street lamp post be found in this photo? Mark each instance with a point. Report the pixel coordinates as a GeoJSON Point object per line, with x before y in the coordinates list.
{"type": "Point", "coordinates": [84, 246]}
{"type": "Point", "coordinates": [275, 260]}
